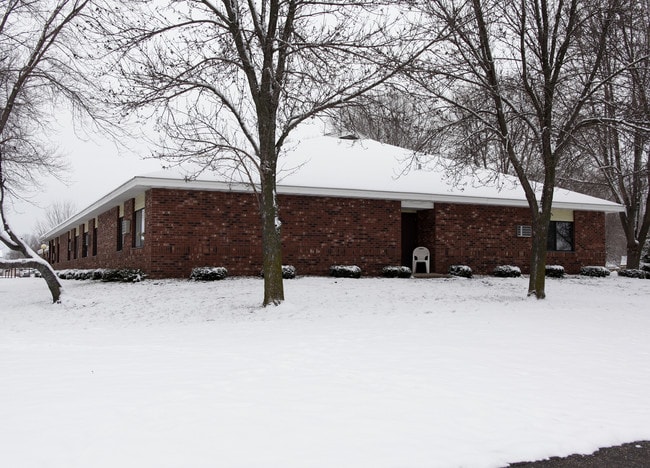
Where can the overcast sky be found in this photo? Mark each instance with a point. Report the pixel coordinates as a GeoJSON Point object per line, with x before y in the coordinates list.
{"type": "Point", "coordinates": [96, 168]}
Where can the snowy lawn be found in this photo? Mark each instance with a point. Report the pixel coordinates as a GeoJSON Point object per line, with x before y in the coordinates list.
{"type": "Point", "coordinates": [347, 373]}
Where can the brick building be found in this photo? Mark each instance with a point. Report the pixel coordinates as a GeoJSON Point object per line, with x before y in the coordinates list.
{"type": "Point", "coordinates": [341, 202]}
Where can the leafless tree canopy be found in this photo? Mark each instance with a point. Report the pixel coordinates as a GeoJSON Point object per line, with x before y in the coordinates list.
{"type": "Point", "coordinates": [55, 214]}
{"type": "Point", "coordinates": [394, 116]}
{"type": "Point", "coordinates": [228, 81]}
{"type": "Point", "coordinates": [615, 154]}
{"type": "Point", "coordinates": [517, 78]}
{"type": "Point", "coordinates": [36, 68]}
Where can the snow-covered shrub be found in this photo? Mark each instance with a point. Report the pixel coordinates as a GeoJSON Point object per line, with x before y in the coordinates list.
{"type": "Point", "coordinates": [208, 273]}
{"type": "Point", "coordinates": [288, 272]}
{"type": "Point", "coordinates": [507, 271]}
{"type": "Point", "coordinates": [83, 274]}
{"type": "Point", "coordinates": [396, 272]}
{"type": "Point", "coordinates": [555, 271]}
{"type": "Point", "coordinates": [596, 271]}
{"type": "Point", "coordinates": [63, 274]}
{"type": "Point", "coordinates": [97, 274]}
{"type": "Point", "coordinates": [634, 273]}
{"type": "Point", "coordinates": [123, 275]}
{"type": "Point", "coordinates": [78, 274]}
{"type": "Point", "coordinates": [460, 270]}
{"type": "Point", "coordinates": [345, 271]}
{"type": "Point", "coordinates": [645, 267]}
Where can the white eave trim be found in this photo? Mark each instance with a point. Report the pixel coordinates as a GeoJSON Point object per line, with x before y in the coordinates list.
{"type": "Point", "coordinates": [137, 185]}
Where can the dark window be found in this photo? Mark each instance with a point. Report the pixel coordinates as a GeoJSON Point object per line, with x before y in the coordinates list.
{"type": "Point", "coordinates": [84, 244]}
{"type": "Point", "coordinates": [120, 234]}
{"type": "Point", "coordinates": [75, 247]}
{"type": "Point", "coordinates": [69, 247]}
{"type": "Point", "coordinates": [138, 228]}
{"type": "Point", "coordinates": [94, 241]}
{"type": "Point", "coordinates": [560, 236]}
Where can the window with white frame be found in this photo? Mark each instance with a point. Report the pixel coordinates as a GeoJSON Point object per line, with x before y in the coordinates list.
{"type": "Point", "coordinates": [138, 231]}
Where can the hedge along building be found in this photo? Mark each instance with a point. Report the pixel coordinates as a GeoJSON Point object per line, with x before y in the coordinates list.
{"type": "Point", "coordinates": [342, 201]}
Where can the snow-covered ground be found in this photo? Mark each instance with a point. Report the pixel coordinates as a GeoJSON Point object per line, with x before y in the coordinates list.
{"type": "Point", "coordinates": [347, 373]}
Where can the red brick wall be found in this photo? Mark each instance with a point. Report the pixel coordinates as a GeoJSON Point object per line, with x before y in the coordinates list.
{"type": "Point", "coordinates": [186, 229]}
{"type": "Point", "coordinates": [200, 228]}
{"type": "Point", "coordinates": [321, 231]}
{"type": "Point", "coordinates": [107, 254]}
{"type": "Point", "coordinates": [483, 237]}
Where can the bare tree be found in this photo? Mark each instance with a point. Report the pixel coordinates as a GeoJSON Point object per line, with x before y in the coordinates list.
{"type": "Point", "coordinates": [229, 81]}
{"type": "Point", "coordinates": [393, 116]}
{"type": "Point", "coordinates": [619, 148]}
{"type": "Point", "coordinates": [35, 68]}
{"type": "Point", "coordinates": [532, 79]}
{"type": "Point", "coordinates": [55, 214]}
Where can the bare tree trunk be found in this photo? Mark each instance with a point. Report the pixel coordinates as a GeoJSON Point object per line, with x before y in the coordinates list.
{"type": "Point", "coordinates": [537, 281]}
{"type": "Point", "coordinates": [269, 208]}
{"type": "Point", "coordinates": [271, 243]}
{"type": "Point", "coordinates": [633, 249]}
{"type": "Point", "coordinates": [32, 259]}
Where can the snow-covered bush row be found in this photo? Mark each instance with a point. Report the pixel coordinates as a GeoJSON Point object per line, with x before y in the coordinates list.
{"type": "Point", "coordinates": [73, 274]}
{"type": "Point", "coordinates": [208, 273]}
{"type": "Point", "coordinates": [507, 271]}
{"type": "Point", "coordinates": [396, 272]}
{"type": "Point", "coordinates": [345, 271]}
{"type": "Point", "coordinates": [555, 271]}
{"type": "Point", "coordinates": [634, 273]}
{"type": "Point", "coordinates": [288, 272]}
{"type": "Point", "coordinates": [596, 271]}
{"type": "Point", "coordinates": [125, 275]}
{"type": "Point", "coordinates": [460, 270]}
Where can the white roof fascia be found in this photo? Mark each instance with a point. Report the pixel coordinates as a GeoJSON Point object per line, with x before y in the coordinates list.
{"type": "Point", "coordinates": [139, 184]}
{"type": "Point", "coordinates": [411, 199]}
{"type": "Point", "coordinates": [135, 186]}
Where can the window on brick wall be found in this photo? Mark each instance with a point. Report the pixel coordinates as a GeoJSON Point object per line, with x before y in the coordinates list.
{"type": "Point", "coordinates": [69, 247]}
{"type": "Point", "coordinates": [74, 247]}
{"type": "Point", "coordinates": [94, 241]}
{"type": "Point", "coordinates": [560, 236]}
{"type": "Point", "coordinates": [84, 244]}
{"type": "Point", "coordinates": [138, 229]}
{"type": "Point", "coordinates": [120, 233]}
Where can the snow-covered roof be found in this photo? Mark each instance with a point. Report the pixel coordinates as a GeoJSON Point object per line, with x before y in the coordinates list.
{"type": "Point", "coordinates": [358, 168]}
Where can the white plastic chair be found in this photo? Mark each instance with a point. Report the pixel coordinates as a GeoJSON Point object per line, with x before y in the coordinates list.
{"type": "Point", "coordinates": [420, 255]}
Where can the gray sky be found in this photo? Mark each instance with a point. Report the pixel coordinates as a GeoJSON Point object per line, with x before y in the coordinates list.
{"type": "Point", "coordinates": [96, 168]}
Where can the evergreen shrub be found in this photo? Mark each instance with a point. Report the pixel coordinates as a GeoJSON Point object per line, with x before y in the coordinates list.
{"type": "Point", "coordinates": [555, 271]}
{"type": "Point", "coordinates": [208, 273]}
{"type": "Point", "coordinates": [594, 271]}
{"type": "Point", "coordinates": [634, 273]}
{"type": "Point", "coordinates": [123, 275]}
{"type": "Point", "coordinates": [396, 272]}
{"type": "Point", "coordinates": [460, 270]}
{"type": "Point", "coordinates": [507, 271]}
{"type": "Point", "coordinates": [345, 271]}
